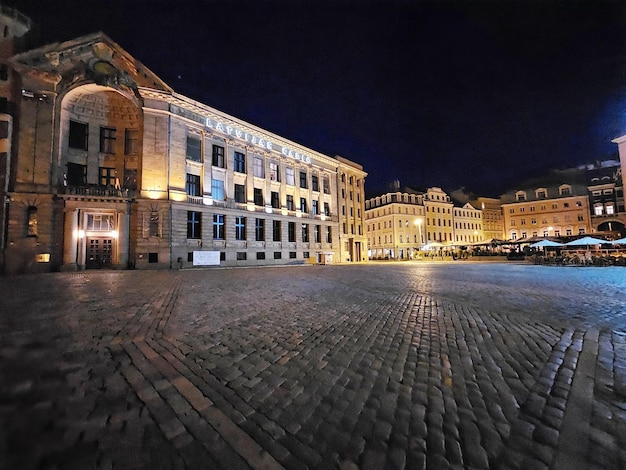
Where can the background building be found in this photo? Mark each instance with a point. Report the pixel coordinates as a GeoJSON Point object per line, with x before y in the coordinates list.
{"type": "Point", "coordinates": [546, 212]}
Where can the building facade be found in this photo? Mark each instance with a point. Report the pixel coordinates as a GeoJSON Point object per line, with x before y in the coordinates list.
{"type": "Point", "coordinates": [113, 168]}
{"type": "Point", "coordinates": [395, 224]}
{"type": "Point", "coordinates": [439, 217]}
{"type": "Point", "coordinates": [468, 225]}
{"type": "Point", "coordinates": [606, 196]}
{"type": "Point", "coordinates": [491, 217]}
{"type": "Point", "coordinates": [546, 212]}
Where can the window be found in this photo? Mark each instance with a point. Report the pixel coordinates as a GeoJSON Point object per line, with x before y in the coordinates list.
{"type": "Point", "coordinates": [566, 204]}
{"type": "Point", "coordinates": [107, 176]}
{"type": "Point", "coordinates": [258, 167]}
{"type": "Point", "coordinates": [303, 204]}
{"type": "Point", "coordinates": [581, 217]}
{"type": "Point", "coordinates": [305, 233]}
{"type": "Point", "coordinates": [315, 207]}
{"type": "Point", "coordinates": [327, 209]}
{"type": "Point", "coordinates": [78, 135]}
{"type": "Point", "coordinates": [218, 156]}
{"type": "Point", "coordinates": [31, 214]}
{"type": "Point", "coordinates": [240, 162]}
{"type": "Point", "coordinates": [194, 224]}
{"type": "Point", "coordinates": [258, 197]}
{"type": "Point", "coordinates": [131, 142]}
{"type": "Point", "coordinates": [154, 227]}
{"type": "Point", "coordinates": [315, 185]}
{"type": "Point", "coordinates": [194, 149]}
{"type": "Point", "coordinates": [275, 200]}
{"type": "Point", "coordinates": [274, 171]}
{"type": "Point", "coordinates": [259, 230]}
{"type": "Point", "coordinates": [598, 210]}
{"type": "Point", "coordinates": [290, 205]}
{"type": "Point", "coordinates": [242, 256]}
{"type": "Point", "coordinates": [276, 230]}
{"type": "Point", "coordinates": [240, 193]}
{"type": "Point", "coordinates": [609, 209]}
{"type": "Point", "coordinates": [153, 257]}
{"type": "Point", "coordinates": [217, 189]}
{"type": "Point", "coordinates": [290, 176]}
{"type": "Point", "coordinates": [326, 183]}
{"type": "Point", "coordinates": [218, 227]}
{"type": "Point", "coordinates": [278, 255]}
{"type": "Point", "coordinates": [303, 179]}
{"type": "Point", "coordinates": [240, 228]}
{"type": "Point", "coordinates": [76, 174]}
{"type": "Point", "coordinates": [291, 231]}
{"type": "Point", "coordinates": [293, 255]}
{"type": "Point", "coordinates": [192, 185]}
{"type": "Point", "coordinates": [329, 234]}
{"type": "Point", "coordinates": [260, 255]}
{"type": "Point", "coordinates": [4, 71]}
{"type": "Point", "coordinates": [317, 234]}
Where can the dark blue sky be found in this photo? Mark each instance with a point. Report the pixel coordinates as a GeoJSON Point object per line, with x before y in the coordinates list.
{"type": "Point", "coordinates": [470, 93]}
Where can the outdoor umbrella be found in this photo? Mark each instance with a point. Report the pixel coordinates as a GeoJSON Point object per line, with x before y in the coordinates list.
{"type": "Point", "coordinates": [544, 243]}
{"type": "Point", "coordinates": [586, 241]}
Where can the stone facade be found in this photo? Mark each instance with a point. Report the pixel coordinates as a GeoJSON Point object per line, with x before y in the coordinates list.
{"type": "Point", "coordinates": [114, 169]}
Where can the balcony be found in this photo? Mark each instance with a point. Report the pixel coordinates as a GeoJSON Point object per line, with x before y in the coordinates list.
{"type": "Point", "coordinates": [96, 191]}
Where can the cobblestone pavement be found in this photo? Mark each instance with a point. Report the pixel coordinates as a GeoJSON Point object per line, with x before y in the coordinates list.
{"type": "Point", "coordinates": [398, 366]}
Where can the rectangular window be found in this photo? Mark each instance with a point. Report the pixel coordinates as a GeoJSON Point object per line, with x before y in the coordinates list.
{"type": "Point", "coordinates": [76, 174]}
{"type": "Point", "coordinates": [315, 207]}
{"type": "Point", "coordinates": [100, 222]}
{"type": "Point", "coordinates": [291, 231]}
{"type": "Point", "coordinates": [240, 193]}
{"type": "Point", "coordinates": [275, 200]}
{"type": "Point", "coordinates": [290, 204]}
{"type": "Point", "coordinates": [274, 171]}
{"type": "Point", "coordinates": [242, 256]}
{"type": "Point", "coordinates": [131, 142]}
{"type": "Point", "coordinates": [305, 254]}
{"type": "Point", "coordinates": [240, 228]}
{"type": "Point", "coordinates": [276, 230]}
{"type": "Point", "coordinates": [218, 156]}
{"type": "Point", "coordinates": [259, 230]}
{"type": "Point", "coordinates": [305, 233]}
{"type": "Point", "coordinates": [317, 233]}
{"type": "Point", "coordinates": [278, 255]}
{"type": "Point", "coordinates": [315, 185]}
{"type": "Point", "coordinates": [292, 255]}
{"type": "Point", "coordinates": [258, 197]}
{"type": "Point", "coordinates": [217, 190]}
{"type": "Point", "coordinates": [78, 135]}
{"type": "Point", "coordinates": [326, 183]}
{"type": "Point", "coordinates": [218, 226]}
{"type": "Point", "coordinates": [260, 255]}
{"type": "Point", "coordinates": [194, 224]}
{"type": "Point", "coordinates": [194, 149]}
{"type": "Point", "coordinates": [303, 179]}
{"type": "Point", "coordinates": [303, 204]}
{"type": "Point", "coordinates": [192, 185]}
{"type": "Point", "coordinates": [107, 176]}
{"type": "Point", "coordinates": [240, 162]}
{"type": "Point", "coordinates": [155, 225]}
{"type": "Point", "coordinates": [290, 176]}
{"type": "Point", "coordinates": [327, 209]}
{"type": "Point", "coordinates": [259, 171]}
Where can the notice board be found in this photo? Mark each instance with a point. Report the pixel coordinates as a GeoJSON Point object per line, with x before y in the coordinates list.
{"type": "Point", "coordinates": [206, 258]}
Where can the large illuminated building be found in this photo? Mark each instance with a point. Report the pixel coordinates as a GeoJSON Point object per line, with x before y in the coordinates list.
{"type": "Point", "coordinates": [112, 168]}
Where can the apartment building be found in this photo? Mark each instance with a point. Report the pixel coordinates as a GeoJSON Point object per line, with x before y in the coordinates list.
{"type": "Point", "coordinates": [114, 169]}
{"type": "Point", "coordinates": [546, 212]}
{"type": "Point", "coordinates": [468, 225]}
{"type": "Point", "coordinates": [396, 225]}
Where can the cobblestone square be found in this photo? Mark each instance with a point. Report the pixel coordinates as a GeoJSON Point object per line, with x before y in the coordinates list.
{"type": "Point", "coordinates": [379, 366]}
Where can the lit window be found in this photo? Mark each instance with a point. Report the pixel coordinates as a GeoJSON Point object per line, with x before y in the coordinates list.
{"type": "Point", "coordinates": [609, 210]}
{"type": "Point", "coordinates": [217, 189]}
{"type": "Point", "coordinates": [274, 173]}
{"type": "Point", "coordinates": [258, 167]}
{"type": "Point", "coordinates": [290, 176]}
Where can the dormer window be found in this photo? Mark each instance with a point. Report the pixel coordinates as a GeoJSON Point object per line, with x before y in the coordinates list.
{"type": "Point", "coordinates": [541, 193]}
{"type": "Point", "coordinates": [565, 190]}
{"type": "Point", "coordinates": [520, 196]}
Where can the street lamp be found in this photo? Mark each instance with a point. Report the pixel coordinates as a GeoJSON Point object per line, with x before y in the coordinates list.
{"type": "Point", "coordinates": [418, 222]}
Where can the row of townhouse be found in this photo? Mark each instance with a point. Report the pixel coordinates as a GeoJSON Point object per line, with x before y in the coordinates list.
{"type": "Point", "coordinates": [399, 224]}
{"type": "Point", "coordinates": [110, 167]}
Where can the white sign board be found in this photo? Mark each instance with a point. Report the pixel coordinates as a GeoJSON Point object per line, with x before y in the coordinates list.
{"type": "Point", "coordinates": [206, 258]}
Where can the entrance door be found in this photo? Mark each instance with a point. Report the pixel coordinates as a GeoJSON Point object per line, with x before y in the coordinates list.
{"type": "Point", "coordinates": [99, 253]}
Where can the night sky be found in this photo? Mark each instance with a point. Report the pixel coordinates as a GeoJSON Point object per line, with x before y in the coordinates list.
{"type": "Point", "coordinates": [473, 94]}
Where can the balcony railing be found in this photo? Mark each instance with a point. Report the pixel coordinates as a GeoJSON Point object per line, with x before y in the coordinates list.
{"type": "Point", "coordinates": [97, 191]}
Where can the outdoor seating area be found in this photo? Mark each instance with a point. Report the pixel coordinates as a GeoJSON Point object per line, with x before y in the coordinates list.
{"type": "Point", "coordinates": [584, 251]}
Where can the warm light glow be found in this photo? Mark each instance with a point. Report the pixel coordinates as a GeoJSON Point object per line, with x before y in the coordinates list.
{"type": "Point", "coordinates": [178, 196]}
{"type": "Point", "coordinates": [284, 212]}
{"type": "Point", "coordinates": [323, 217]}
{"type": "Point", "coordinates": [81, 234]}
{"type": "Point", "coordinates": [113, 233]}
{"type": "Point", "coordinates": [268, 210]}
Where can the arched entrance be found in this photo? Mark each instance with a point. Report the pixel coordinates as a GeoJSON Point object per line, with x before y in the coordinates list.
{"type": "Point", "coordinates": [100, 134]}
{"type": "Point", "coordinates": [612, 228]}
